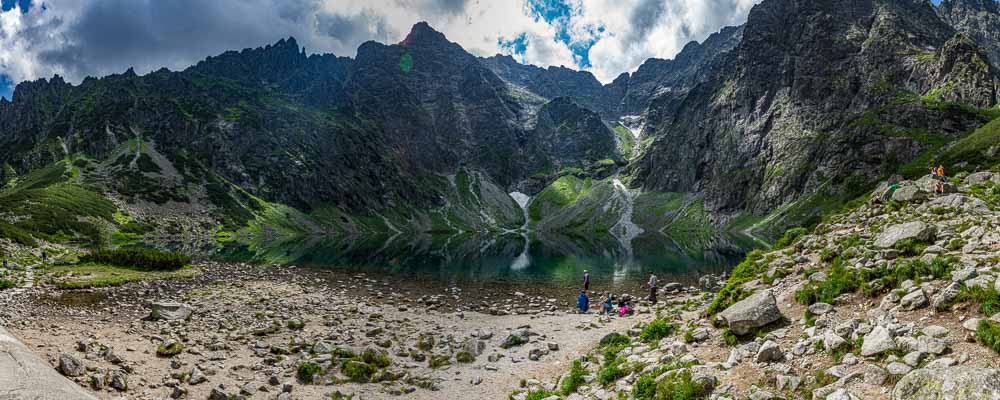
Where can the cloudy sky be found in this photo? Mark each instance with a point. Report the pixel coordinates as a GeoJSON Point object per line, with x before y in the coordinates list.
{"type": "Point", "coordinates": [79, 38]}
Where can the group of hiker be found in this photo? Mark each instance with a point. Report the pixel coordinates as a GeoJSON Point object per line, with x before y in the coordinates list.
{"type": "Point", "coordinates": [937, 174]}
{"type": "Point", "coordinates": [623, 304]}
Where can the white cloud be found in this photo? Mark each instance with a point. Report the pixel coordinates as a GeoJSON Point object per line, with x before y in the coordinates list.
{"type": "Point", "coordinates": [77, 38]}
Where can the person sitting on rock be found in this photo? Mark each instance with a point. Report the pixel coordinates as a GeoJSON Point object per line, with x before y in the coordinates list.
{"type": "Point", "coordinates": [624, 305]}
{"type": "Point", "coordinates": [583, 302]}
{"type": "Point", "coordinates": [609, 303]}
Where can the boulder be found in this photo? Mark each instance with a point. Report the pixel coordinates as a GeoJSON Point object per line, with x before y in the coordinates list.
{"type": "Point", "coordinates": [820, 308]}
{"type": "Point", "coordinates": [769, 351]}
{"type": "Point", "coordinates": [915, 230]}
{"type": "Point", "coordinates": [69, 365]}
{"type": "Point", "coordinates": [169, 311]}
{"type": "Point", "coordinates": [961, 382]}
{"type": "Point", "coordinates": [962, 202]}
{"type": "Point", "coordinates": [908, 194]}
{"type": "Point", "coordinates": [877, 341]}
{"type": "Point", "coordinates": [914, 300]}
{"type": "Point", "coordinates": [981, 177]}
{"type": "Point", "coordinates": [752, 312]}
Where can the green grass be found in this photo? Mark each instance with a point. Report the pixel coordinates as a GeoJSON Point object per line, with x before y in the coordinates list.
{"type": "Point", "coordinates": [139, 258]}
{"type": "Point", "coordinates": [626, 142]}
{"type": "Point", "coordinates": [656, 330]}
{"type": "Point", "coordinates": [575, 378]}
{"type": "Point", "coordinates": [974, 149]}
{"type": "Point", "coordinates": [7, 284]}
{"type": "Point", "coordinates": [839, 280]}
{"type": "Point", "coordinates": [60, 213]}
{"type": "Point", "coordinates": [988, 333]}
{"type": "Point", "coordinates": [90, 275]}
{"type": "Point", "coordinates": [564, 191]}
{"type": "Point", "coordinates": [171, 350]}
{"type": "Point", "coordinates": [789, 237]}
{"type": "Point", "coordinates": [749, 269]}
{"type": "Point", "coordinates": [540, 394]}
{"type": "Point", "coordinates": [307, 372]}
{"type": "Point", "coordinates": [876, 281]}
{"type": "Point", "coordinates": [988, 299]}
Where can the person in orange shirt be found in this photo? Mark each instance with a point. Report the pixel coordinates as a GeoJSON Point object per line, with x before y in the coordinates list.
{"type": "Point", "coordinates": [940, 178]}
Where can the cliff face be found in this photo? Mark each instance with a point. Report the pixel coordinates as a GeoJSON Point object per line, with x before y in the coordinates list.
{"type": "Point", "coordinates": [977, 19]}
{"type": "Point", "coordinates": [816, 94]}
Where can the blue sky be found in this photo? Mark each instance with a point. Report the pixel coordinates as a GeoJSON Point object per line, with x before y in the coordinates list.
{"type": "Point", "coordinates": [6, 86]}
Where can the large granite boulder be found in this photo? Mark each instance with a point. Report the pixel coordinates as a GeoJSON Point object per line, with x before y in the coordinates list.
{"type": "Point", "coordinates": [909, 193]}
{"type": "Point", "coordinates": [752, 312]}
{"type": "Point", "coordinates": [915, 230]}
{"type": "Point", "coordinates": [961, 382]}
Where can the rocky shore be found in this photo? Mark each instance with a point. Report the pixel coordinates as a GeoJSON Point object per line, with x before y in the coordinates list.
{"type": "Point", "coordinates": [896, 298]}
{"type": "Point", "coordinates": [281, 332]}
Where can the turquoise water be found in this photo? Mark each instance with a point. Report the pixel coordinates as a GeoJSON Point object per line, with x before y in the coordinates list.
{"type": "Point", "coordinates": [511, 258]}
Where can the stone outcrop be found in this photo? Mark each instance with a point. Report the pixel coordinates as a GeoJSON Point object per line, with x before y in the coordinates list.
{"type": "Point", "coordinates": [25, 376]}
{"type": "Point", "coordinates": [752, 312]}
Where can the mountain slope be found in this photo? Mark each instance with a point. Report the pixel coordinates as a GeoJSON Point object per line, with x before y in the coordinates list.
{"type": "Point", "coordinates": [818, 98]}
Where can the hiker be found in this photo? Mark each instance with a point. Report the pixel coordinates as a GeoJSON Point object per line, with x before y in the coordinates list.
{"type": "Point", "coordinates": [609, 304]}
{"type": "Point", "coordinates": [604, 299]}
{"type": "Point", "coordinates": [652, 288]}
{"type": "Point", "coordinates": [624, 305]}
{"type": "Point", "coordinates": [583, 302]}
{"type": "Point", "coordinates": [940, 179]}
{"type": "Point", "coordinates": [586, 280]}
{"type": "Point", "coordinates": [45, 256]}
{"type": "Point", "coordinates": [6, 264]}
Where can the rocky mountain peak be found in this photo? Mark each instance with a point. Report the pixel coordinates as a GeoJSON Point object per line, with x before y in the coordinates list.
{"type": "Point", "coordinates": [979, 19]}
{"type": "Point", "coordinates": [971, 5]}
{"type": "Point", "coordinates": [423, 34]}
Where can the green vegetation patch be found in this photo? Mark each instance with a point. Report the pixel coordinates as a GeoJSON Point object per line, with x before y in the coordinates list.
{"type": "Point", "coordinates": [988, 333]}
{"type": "Point", "coordinates": [307, 372]}
{"type": "Point", "coordinates": [139, 258]}
{"type": "Point", "coordinates": [169, 350]}
{"type": "Point", "coordinates": [656, 330]}
{"type": "Point", "coordinates": [749, 269]}
{"type": "Point", "coordinates": [575, 378]}
{"type": "Point", "coordinates": [90, 275]}
{"type": "Point", "coordinates": [561, 193]}
{"type": "Point", "coordinates": [978, 149]}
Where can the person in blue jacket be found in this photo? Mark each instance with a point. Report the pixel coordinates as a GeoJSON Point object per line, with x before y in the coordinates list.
{"type": "Point", "coordinates": [583, 302]}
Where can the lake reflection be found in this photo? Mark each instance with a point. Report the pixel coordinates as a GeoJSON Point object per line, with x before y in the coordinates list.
{"type": "Point", "coordinates": [511, 257]}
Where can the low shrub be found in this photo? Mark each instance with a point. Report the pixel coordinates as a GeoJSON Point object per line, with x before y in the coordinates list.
{"type": "Point", "coordinates": [358, 371]}
{"type": "Point", "coordinates": [611, 372]}
{"type": "Point", "coordinates": [988, 333]}
{"type": "Point", "coordinates": [645, 388]}
{"type": "Point", "coordinates": [987, 298]}
{"type": "Point", "coordinates": [681, 387]}
{"type": "Point", "coordinates": [464, 357]}
{"type": "Point", "coordinates": [909, 247]}
{"type": "Point", "coordinates": [139, 258]}
{"type": "Point", "coordinates": [575, 378]}
{"type": "Point", "coordinates": [790, 237]}
{"type": "Point", "coordinates": [307, 372]}
{"type": "Point", "coordinates": [839, 280]}
{"type": "Point", "coordinates": [656, 330]}
{"type": "Point", "coordinates": [7, 284]}
{"type": "Point", "coordinates": [539, 395]}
